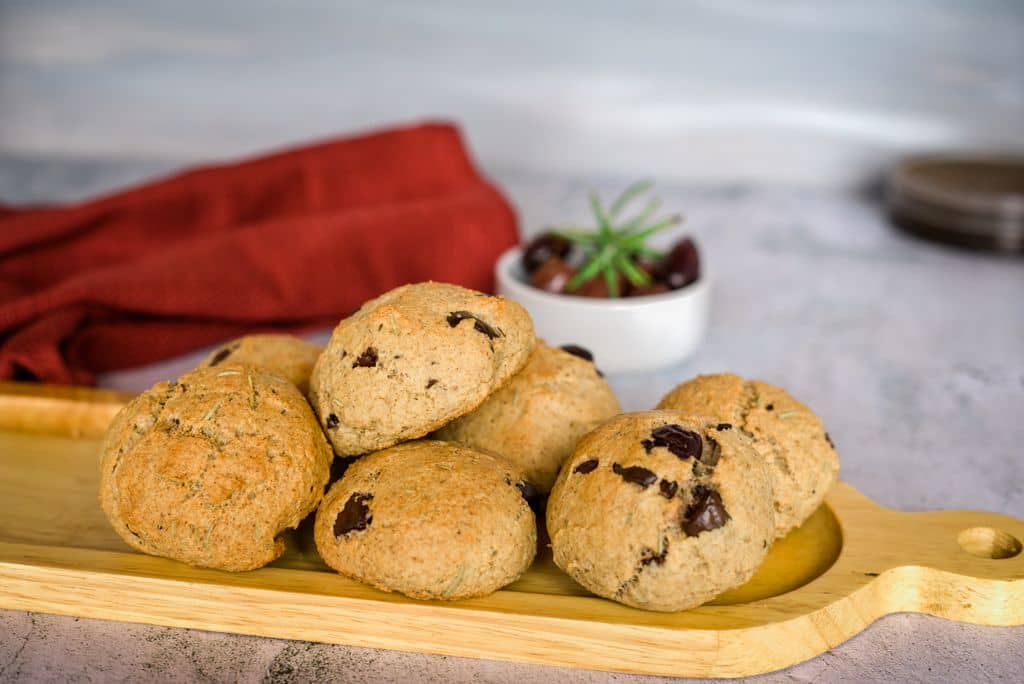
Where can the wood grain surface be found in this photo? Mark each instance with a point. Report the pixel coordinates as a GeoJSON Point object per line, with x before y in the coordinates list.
{"type": "Point", "coordinates": [850, 564]}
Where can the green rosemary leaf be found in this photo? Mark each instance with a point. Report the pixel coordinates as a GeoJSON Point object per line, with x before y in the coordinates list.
{"type": "Point", "coordinates": [641, 218]}
{"type": "Point", "coordinates": [610, 248]}
{"type": "Point", "coordinates": [627, 195]}
{"type": "Point", "coordinates": [602, 219]}
{"type": "Point", "coordinates": [589, 270]}
{"type": "Point", "coordinates": [634, 240]}
{"type": "Point", "coordinates": [611, 280]}
{"type": "Point", "coordinates": [632, 273]}
{"type": "Point", "coordinates": [649, 253]}
{"type": "Point", "coordinates": [569, 230]}
{"type": "Point", "coordinates": [579, 237]}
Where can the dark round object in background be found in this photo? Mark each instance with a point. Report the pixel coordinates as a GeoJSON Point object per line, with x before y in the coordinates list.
{"type": "Point", "coordinates": [971, 201]}
{"type": "Point", "coordinates": [681, 266]}
{"type": "Point", "coordinates": [597, 288]}
{"type": "Point", "coordinates": [542, 248]}
{"type": "Point", "coordinates": [553, 275]}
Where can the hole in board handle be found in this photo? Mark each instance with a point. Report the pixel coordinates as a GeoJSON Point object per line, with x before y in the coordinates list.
{"type": "Point", "coordinates": [988, 542]}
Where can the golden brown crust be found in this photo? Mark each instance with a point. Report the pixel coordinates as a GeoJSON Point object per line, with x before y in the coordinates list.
{"type": "Point", "coordinates": [290, 357]}
{"type": "Point", "coordinates": [429, 519]}
{"type": "Point", "coordinates": [536, 419]}
{"type": "Point", "coordinates": [414, 359]}
{"type": "Point", "coordinates": [625, 515]}
{"type": "Point", "coordinates": [209, 470]}
{"type": "Point", "coordinates": [802, 461]}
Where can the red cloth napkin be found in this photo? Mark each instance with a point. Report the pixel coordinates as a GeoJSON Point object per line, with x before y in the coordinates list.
{"type": "Point", "coordinates": [286, 242]}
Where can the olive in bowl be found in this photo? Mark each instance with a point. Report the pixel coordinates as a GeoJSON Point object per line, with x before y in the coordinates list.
{"type": "Point", "coordinates": [548, 258]}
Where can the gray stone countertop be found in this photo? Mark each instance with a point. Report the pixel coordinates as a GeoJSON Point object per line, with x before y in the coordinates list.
{"type": "Point", "coordinates": [912, 353]}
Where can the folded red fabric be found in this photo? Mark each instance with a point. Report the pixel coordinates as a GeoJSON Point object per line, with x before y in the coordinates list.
{"type": "Point", "coordinates": [286, 242]}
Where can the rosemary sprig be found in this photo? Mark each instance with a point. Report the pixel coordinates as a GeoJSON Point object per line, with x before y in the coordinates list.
{"type": "Point", "coordinates": [610, 250]}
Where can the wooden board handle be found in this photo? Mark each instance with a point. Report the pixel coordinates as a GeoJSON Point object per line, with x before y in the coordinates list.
{"type": "Point", "coordinates": [961, 565]}
{"type": "Point", "coordinates": [78, 412]}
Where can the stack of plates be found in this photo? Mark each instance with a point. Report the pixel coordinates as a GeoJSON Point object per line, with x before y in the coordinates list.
{"type": "Point", "coordinates": [970, 201]}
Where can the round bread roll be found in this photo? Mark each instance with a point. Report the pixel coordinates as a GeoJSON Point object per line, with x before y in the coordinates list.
{"type": "Point", "coordinates": [429, 519]}
{"type": "Point", "coordinates": [211, 469]}
{"type": "Point", "coordinates": [290, 357]}
{"type": "Point", "coordinates": [662, 511]}
{"type": "Point", "coordinates": [413, 359]}
{"type": "Point", "coordinates": [801, 459]}
{"type": "Point", "coordinates": [535, 420]}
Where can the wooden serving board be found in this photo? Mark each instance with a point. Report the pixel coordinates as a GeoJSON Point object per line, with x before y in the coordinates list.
{"type": "Point", "coordinates": [850, 564]}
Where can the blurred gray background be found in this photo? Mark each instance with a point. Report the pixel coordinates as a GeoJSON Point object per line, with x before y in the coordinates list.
{"type": "Point", "coordinates": [705, 92]}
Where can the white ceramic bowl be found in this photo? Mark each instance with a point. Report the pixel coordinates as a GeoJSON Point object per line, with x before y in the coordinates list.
{"type": "Point", "coordinates": [626, 335]}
